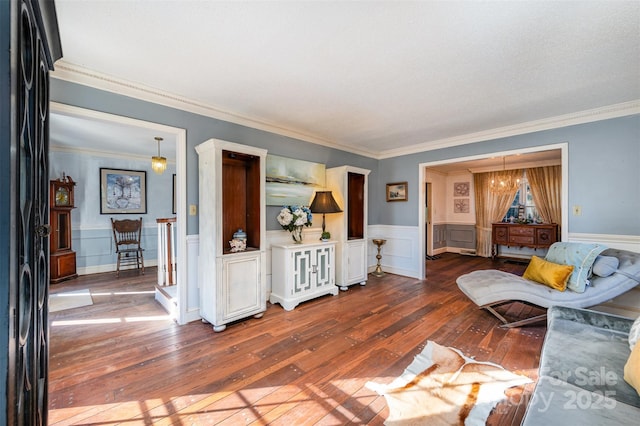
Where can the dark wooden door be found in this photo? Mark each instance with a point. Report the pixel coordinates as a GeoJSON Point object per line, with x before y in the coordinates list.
{"type": "Point", "coordinates": [30, 27]}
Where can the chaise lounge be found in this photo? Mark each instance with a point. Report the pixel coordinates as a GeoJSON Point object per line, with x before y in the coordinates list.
{"type": "Point", "coordinates": [490, 289]}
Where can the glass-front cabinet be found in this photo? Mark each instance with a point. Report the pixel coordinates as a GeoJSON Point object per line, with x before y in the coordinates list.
{"type": "Point", "coordinates": [301, 272]}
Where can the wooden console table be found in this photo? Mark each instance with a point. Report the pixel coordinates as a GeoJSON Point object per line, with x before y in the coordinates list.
{"type": "Point", "coordinates": [519, 235]}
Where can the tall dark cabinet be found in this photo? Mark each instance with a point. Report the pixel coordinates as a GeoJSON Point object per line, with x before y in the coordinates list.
{"type": "Point", "coordinates": [62, 257]}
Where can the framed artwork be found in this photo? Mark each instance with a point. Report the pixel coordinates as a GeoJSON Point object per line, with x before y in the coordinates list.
{"type": "Point", "coordinates": [461, 189]}
{"type": "Point", "coordinates": [461, 205]}
{"type": "Point", "coordinates": [291, 182]}
{"type": "Point", "coordinates": [397, 191]}
{"type": "Point", "coordinates": [173, 209]}
{"type": "Point", "coordinates": [123, 191]}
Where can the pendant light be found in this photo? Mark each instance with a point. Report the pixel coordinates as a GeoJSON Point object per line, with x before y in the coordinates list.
{"type": "Point", "coordinates": [158, 164]}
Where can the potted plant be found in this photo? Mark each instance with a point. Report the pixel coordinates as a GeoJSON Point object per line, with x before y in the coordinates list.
{"type": "Point", "coordinates": [325, 236]}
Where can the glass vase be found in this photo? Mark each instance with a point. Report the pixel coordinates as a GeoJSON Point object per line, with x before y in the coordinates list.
{"type": "Point", "coordinates": [296, 234]}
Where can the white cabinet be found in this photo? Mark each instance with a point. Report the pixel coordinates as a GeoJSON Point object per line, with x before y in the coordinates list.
{"type": "Point", "coordinates": [356, 261]}
{"type": "Point", "coordinates": [349, 186]}
{"type": "Point", "coordinates": [231, 196]}
{"type": "Point", "coordinates": [301, 272]}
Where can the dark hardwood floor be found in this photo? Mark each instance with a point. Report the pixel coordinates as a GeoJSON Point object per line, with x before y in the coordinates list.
{"type": "Point", "coordinates": [122, 361]}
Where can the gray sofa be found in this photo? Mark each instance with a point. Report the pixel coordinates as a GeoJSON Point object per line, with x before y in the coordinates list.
{"type": "Point", "coordinates": [581, 371]}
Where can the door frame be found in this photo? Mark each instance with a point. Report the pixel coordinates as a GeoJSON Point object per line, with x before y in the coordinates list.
{"type": "Point", "coordinates": [181, 187]}
{"type": "Point", "coordinates": [422, 172]}
{"type": "Point", "coordinates": [429, 218]}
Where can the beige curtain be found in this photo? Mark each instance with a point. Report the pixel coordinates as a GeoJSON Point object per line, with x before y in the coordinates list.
{"type": "Point", "coordinates": [546, 190]}
{"type": "Point", "coordinates": [490, 207]}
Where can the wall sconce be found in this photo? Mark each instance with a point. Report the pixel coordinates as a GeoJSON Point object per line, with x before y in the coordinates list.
{"type": "Point", "coordinates": [323, 202]}
{"type": "Point", "coordinates": [158, 164]}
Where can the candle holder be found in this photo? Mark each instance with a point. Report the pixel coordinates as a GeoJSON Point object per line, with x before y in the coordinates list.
{"type": "Point", "coordinates": [379, 242]}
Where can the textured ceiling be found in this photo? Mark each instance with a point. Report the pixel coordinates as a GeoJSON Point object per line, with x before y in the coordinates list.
{"type": "Point", "coordinates": [373, 77]}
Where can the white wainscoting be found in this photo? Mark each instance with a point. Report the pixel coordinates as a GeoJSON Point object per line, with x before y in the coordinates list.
{"type": "Point", "coordinates": [401, 254]}
{"type": "Point", "coordinates": [620, 242]}
{"type": "Point", "coordinates": [627, 304]}
{"type": "Point", "coordinates": [192, 291]}
{"type": "Point", "coordinates": [111, 267]}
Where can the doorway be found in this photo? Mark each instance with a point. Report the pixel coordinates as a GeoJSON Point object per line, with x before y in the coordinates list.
{"type": "Point", "coordinates": [527, 157]}
{"type": "Point", "coordinates": [99, 121]}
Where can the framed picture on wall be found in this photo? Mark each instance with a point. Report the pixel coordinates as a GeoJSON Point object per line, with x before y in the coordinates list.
{"type": "Point", "coordinates": [174, 210]}
{"type": "Point", "coordinates": [291, 182]}
{"type": "Point", "coordinates": [461, 205]}
{"type": "Point", "coordinates": [123, 191]}
{"type": "Point", "coordinates": [461, 189]}
{"type": "Point", "coordinates": [397, 191]}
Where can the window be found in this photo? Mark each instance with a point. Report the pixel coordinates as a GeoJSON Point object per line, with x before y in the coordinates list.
{"type": "Point", "coordinates": [522, 205]}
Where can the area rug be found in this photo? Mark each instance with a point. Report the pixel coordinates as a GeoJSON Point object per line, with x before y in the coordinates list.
{"type": "Point", "coordinates": [443, 387]}
{"type": "Point", "coordinates": [69, 300]}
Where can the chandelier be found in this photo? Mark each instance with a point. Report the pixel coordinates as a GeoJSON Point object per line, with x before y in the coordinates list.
{"type": "Point", "coordinates": [503, 182]}
{"type": "Point", "coordinates": [158, 163]}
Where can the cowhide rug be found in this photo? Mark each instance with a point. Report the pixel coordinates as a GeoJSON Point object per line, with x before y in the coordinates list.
{"type": "Point", "coordinates": [443, 387]}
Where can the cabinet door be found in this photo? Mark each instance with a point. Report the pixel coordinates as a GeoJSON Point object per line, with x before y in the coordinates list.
{"type": "Point", "coordinates": [240, 293]}
{"type": "Point", "coordinates": [324, 266]}
{"type": "Point", "coordinates": [356, 269]}
{"type": "Point", "coordinates": [301, 277]}
{"type": "Point", "coordinates": [546, 236]}
{"type": "Point", "coordinates": [501, 234]}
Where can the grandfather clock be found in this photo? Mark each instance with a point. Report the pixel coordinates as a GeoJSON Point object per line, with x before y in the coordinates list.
{"type": "Point", "coordinates": [62, 258]}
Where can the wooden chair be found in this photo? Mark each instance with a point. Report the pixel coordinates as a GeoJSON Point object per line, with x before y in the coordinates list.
{"type": "Point", "coordinates": [126, 235]}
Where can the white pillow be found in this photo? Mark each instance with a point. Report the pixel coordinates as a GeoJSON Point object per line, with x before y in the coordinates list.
{"type": "Point", "coordinates": [634, 334]}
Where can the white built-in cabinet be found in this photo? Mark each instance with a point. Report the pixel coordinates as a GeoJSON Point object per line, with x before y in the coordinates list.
{"type": "Point", "coordinates": [349, 228]}
{"type": "Point", "coordinates": [300, 272]}
{"type": "Point", "coordinates": [231, 197]}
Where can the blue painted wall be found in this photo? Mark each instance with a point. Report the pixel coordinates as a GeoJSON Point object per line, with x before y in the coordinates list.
{"type": "Point", "coordinates": [92, 238]}
{"type": "Point", "coordinates": [604, 177]}
{"type": "Point", "coordinates": [604, 174]}
{"type": "Point", "coordinates": [199, 129]}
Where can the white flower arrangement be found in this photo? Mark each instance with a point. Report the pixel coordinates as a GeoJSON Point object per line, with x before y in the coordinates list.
{"type": "Point", "coordinates": [291, 217]}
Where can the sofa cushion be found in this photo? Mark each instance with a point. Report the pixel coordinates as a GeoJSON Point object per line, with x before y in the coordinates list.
{"type": "Point", "coordinates": [580, 255]}
{"type": "Point", "coordinates": [588, 349]}
{"type": "Point", "coordinates": [560, 403]}
{"type": "Point", "coordinates": [548, 273]}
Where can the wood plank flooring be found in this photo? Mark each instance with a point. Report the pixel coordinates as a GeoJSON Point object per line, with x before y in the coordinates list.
{"type": "Point", "coordinates": [122, 361]}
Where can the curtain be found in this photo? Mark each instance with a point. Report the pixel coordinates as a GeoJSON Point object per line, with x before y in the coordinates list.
{"type": "Point", "coordinates": [546, 190]}
{"type": "Point", "coordinates": [490, 207]}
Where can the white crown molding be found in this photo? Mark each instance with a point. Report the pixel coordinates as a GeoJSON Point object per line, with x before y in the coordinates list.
{"type": "Point", "coordinates": [76, 74]}
{"type": "Point", "coordinates": [580, 117]}
{"type": "Point", "coordinates": [526, 165]}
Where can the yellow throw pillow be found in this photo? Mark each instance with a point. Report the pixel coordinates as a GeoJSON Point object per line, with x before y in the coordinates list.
{"type": "Point", "coordinates": [548, 273]}
{"type": "Point", "coordinates": [632, 369]}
